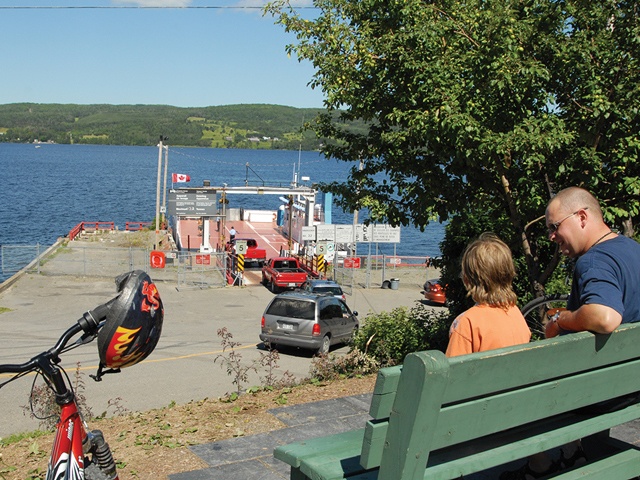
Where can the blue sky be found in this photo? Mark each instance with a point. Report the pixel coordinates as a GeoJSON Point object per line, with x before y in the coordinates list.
{"type": "Point", "coordinates": [186, 57]}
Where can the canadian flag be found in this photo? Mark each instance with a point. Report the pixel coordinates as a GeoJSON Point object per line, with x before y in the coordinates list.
{"type": "Point", "coordinates": [180, 178]}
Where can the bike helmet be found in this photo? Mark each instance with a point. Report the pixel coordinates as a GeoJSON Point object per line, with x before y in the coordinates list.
{"type": "Point", "coordinates": [133, 324]}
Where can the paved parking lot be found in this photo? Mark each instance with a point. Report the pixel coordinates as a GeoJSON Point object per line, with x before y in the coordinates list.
{"type": "Point", "coordinates": [181, 368]}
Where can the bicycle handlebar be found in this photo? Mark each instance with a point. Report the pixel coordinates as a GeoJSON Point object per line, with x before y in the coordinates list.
{"type": "Point", "coordinates": [90, 323]}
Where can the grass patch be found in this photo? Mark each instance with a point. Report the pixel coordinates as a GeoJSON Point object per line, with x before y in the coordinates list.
{"type": "Point", "coordinates": [18, 437]}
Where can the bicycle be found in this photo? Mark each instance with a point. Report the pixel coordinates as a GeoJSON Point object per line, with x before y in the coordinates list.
{"type": "Point", "coordinates": [537, 310]}
{"type": "Point", "coordinates": [128, 328]}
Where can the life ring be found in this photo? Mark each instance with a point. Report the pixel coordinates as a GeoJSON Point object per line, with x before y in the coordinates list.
{"type": "Point", "coordinates": [157, 259]}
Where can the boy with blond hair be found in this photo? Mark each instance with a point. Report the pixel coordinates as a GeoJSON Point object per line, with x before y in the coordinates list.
{"type": "Point", "coordinates": [495, 320]}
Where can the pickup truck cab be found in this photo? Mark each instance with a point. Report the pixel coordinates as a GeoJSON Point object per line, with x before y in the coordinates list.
{"type": "Point", "coordinates": [254, 254]}
{"type": "Point", "coordinates": [283, 273]}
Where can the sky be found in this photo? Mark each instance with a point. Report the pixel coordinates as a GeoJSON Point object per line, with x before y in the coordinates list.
{"type": "Point", "coordinates": [185, 56]}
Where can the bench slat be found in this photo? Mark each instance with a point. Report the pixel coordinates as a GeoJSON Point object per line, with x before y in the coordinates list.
{"type": "Point", "coordinates": [625, 464]}
{"type": "Point", "coordinates": [486, 372]}
{"type": "Point", "coordinates": [343, 443]}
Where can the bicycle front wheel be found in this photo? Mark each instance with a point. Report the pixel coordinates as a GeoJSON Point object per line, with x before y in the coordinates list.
{"type": "Point", "coordinates": [92, 472]}
{"type": "Point", "coordinates": [534, 312]}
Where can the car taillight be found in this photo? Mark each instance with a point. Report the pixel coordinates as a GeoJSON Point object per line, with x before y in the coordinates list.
{"type": "Point", "coordinates": [262, 322]}
{"type": "Point", "coordinates": [316, 330]}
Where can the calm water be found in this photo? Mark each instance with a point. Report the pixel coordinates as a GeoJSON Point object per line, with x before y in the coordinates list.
{"type": "Point", "coordinates": [46, 191]}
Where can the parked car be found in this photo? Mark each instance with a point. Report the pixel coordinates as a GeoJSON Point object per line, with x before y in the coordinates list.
{"type": "Point", "coordinates": [307, 320]}
{"type": "Point", "coordinates": [314, 285]}
{"type": "Point", "coordinates": [434, 292]}
{"type": "Point", "coordinates": [283, 272]}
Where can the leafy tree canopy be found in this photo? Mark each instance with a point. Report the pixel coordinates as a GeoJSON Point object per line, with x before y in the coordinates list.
{"type": "Point", "coordinates": [478, 106]}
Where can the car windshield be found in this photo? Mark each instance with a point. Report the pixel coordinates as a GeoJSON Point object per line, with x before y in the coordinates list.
{"type": "Point", "coordinates": [331, 290]}
{"type": "Point", "coordinates": [292, 307]}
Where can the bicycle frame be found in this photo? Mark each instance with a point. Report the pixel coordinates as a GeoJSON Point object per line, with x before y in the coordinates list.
{"type": "Point", "coordinates": [67, 456]}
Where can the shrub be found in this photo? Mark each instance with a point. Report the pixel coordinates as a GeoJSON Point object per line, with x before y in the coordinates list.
{"type": "Point", "coordinates": [389, 336]}
{"type": "Point", "coordinates": [353, 364]}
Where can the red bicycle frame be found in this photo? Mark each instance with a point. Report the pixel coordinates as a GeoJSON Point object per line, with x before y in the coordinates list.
{"type": "Point", "coordinates": [67, 457]}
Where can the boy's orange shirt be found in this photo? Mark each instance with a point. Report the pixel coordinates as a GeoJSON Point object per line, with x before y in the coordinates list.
{"type": "Point", "coordinates": [484, 328]}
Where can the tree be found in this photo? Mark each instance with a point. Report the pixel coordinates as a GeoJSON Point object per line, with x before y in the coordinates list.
{"type": "Point", "coordinates": [477, 105]}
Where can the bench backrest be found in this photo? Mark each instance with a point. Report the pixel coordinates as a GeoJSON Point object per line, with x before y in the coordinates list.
{"type": "Point", "coordinates": [431, 401]}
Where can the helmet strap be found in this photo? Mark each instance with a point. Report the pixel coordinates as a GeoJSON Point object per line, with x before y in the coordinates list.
{"type": "Point", "coordinates": [99, 374]}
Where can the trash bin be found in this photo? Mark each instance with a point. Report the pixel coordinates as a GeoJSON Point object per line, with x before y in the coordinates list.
{"type": "Point", "coordinates": [394, 283]}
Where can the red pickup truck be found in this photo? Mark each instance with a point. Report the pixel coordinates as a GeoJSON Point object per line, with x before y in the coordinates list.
{"type": "Point", "coordinates": [254, 254]}
{"type": "Point", "coordinates": [283, 272]}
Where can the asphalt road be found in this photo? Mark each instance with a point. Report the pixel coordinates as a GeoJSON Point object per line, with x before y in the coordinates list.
{"type": "Point", "coordinates": [183, 366]}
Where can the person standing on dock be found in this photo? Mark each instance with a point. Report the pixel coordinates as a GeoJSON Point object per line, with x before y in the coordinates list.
{"type": "Point", "coordinates": [232, 234]}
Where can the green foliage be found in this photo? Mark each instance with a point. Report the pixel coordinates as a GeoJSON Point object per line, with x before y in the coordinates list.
{"type": "Point", "coordinates": [42, 402]}
{"type": "Point", "coordinates": [478, 106]}
{"type": "Point", "coordinates": [229, 126]}
{"type": "Point", "coordinates": [389, 336]}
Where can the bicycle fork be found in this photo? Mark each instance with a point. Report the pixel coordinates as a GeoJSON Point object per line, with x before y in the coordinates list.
{"type": "Point", "coordinates": [72, 447]}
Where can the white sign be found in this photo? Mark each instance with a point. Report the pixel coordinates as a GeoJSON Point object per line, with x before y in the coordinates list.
{"type": "Point", "coordinates": [241, 247]}
{"type": "Point", "coordinates": [321, 248]}
{"type": "Point", "coordinates": [325, 232]}
{"type": "Point", "coordinates": [363, 233]}
{"type": "Point", "coordinates": [309, 233]}
{"type": "Point", "coordinates": [344, 233]}
{"type": "Point", "coordinates": [331, 247]}
{"type": "Point", "coordinates": [381, 233]}
{"type": "Point", "coordinates": [386, 234]}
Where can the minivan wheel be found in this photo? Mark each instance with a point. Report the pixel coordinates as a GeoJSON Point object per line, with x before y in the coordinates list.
{"type": "Point", "coordinates": [324, 346]}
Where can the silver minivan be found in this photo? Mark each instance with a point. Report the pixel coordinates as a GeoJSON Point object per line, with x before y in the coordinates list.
{"type": "Point", "coordinates": [307, 320]}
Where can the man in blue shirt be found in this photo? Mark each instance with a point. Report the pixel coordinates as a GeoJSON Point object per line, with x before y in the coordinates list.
{"type": "Point", "coordinates": [606, 281]}
{"type": "Point", "coordinates": [605, 292]}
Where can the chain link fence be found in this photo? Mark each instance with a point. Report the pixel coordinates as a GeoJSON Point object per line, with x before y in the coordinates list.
{"type": "Point", "coordinates": [187, 269]}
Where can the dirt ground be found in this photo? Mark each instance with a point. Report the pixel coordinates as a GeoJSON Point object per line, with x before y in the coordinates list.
{"type": "Point", "coordinates": [152, 445]}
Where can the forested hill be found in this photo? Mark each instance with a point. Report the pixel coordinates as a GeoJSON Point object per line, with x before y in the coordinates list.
{"type": "Point", "coordinates": [229, 126]}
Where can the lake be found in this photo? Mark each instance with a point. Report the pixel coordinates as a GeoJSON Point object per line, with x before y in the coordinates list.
{"type": "Point", "coordinates": [48, 189]}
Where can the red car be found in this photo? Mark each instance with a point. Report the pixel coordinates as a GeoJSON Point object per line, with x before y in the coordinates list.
{"type": "Point", "coordinates": [434, 292]}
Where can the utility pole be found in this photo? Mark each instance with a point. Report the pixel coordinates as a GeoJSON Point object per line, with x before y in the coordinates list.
{"type": "Point", "coordinates": [291, 223]}
{"type": "Point", "coordinates": [355, 220]}
{"type": "Point", "coordinates": [164, 187]}
{"type": "Point", "coordinates": [158, 192]}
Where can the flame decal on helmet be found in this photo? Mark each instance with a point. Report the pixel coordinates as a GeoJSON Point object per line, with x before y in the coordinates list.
{"type": "Point", "coordinates": [117, 349]}
{"type": "Point", "coordinates": [151, 301]}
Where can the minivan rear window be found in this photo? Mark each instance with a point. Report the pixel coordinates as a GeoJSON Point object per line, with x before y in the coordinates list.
{"type": "Point", "coordinates": [293, 308]}
{"type": "Point", "coordinates": [331, 290]}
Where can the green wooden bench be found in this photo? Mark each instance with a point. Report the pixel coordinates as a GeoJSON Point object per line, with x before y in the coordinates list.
{"type": "Point", "coordinates": [441, 418]}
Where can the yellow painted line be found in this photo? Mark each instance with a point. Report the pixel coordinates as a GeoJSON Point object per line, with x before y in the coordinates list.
{"type": "Point", "coordinates": [155, 360]}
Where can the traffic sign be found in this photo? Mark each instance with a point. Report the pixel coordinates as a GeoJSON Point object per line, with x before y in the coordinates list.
{"type": "Point", "coordinates": [321, 248]}
{"type": "Point", "coordinates": [241, 247]}
{"type": "Point", "coordinates": [351, 262]}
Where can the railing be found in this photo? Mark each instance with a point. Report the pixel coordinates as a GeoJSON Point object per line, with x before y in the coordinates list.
{"type": "Point", "coordinates": [94, 226]}
{"type": "Point", "coordinates": [133, 226]}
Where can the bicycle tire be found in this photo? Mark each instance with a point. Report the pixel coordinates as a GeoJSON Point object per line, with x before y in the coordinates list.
{"type": "Point", "coordinates": [533, 310]}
